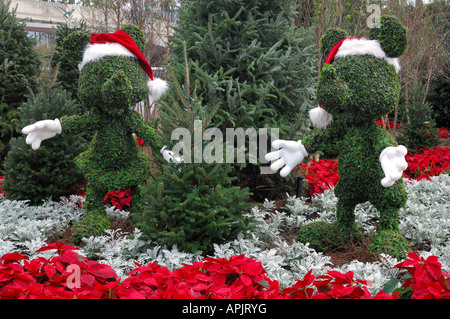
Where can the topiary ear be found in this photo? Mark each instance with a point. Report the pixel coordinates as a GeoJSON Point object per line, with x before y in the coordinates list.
{"type": "Point", "coordinates": [73, 46]}
{"type": "Point", "coordinates": [136, 33]}
{"type": "Point", "coordinates": [329, 39]}
{"type": "Point", "coordinates": [392, 35]}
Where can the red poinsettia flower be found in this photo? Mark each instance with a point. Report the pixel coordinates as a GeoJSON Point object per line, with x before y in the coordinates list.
{"type": "Point", "coordinates": [1, 183]}
{"type": "Point", "coordinates": [140, 142]}
{"type": "Point", "coordinates": [119, 198]}
{"type": "Point", "coordinates": [442, 133]}
{"type": "Point", "coordinates": [60, 248]}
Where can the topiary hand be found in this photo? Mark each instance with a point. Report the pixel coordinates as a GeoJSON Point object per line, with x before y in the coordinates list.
{"type": "Point", "coordinates": [170, 156]}
{"type": "Point", "coordinates": [393, 163]}
{"type": "Point", "coordinates": [41, 130]}
{"type": "Point", "coordinates": [291, 154]}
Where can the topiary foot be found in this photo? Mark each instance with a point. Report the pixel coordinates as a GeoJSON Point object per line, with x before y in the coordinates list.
{"type": "Point", "coordinates": [93, 224]}
{"type": "Point", "coordinates": [390, 242]}
{"type": "Point", "coordinates": [323, 236]}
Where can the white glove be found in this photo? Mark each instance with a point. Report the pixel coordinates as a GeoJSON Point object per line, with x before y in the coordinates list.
{"type": "Point", "coordinates": [170, 156]}
{"type": "Point", "coordinates": [291, 154]}
{"type": "Point", "coordinates": [41, 130]}
{"type": "Point", "coordinates": [393, 163]}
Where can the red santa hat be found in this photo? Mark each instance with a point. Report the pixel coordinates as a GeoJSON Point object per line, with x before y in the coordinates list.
{"type": "Point", "coordinates": [120, 43]}
{"type": "Point", "coordinates": [350, 47]}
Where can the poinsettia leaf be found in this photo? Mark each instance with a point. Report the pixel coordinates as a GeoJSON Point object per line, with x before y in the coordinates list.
{"type": "Point", "coordinates": [246, 280]}
{"type": "Point", "coordinates": [13, 257]}
{"type": "Point", "coordinates": [88, 279]}
{"type": "Point", "coordinates": [199, 287]}
{"type": "Point", "coordinates": [49, 271]}
{"type": "Point", "coordinates": [69, 257]}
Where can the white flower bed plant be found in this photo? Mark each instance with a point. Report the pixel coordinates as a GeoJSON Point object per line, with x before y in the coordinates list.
{"type": "Point", "coordinates": [424, 220]}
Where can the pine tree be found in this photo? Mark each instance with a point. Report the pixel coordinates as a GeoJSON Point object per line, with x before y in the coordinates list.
{"type": "Point", "coordinates": [249, 57]}
{"type": "Point", "coordinates": [49, 171]}
{"type": "Point", "coordinates": [191, 205]}
{"type": "Point", "coordinates": [19, 65]}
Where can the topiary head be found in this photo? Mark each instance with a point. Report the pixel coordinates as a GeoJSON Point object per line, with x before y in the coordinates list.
{"type": "Point", "coordinates": [359, 80]}
{"type": "Point", "coordinates": [113, 71]}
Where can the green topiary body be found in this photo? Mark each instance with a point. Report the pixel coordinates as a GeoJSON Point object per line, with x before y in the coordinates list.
{"type": "Point", "coordinates": [109, 87]}
{"type": "Point", "coordinates": [357, 90]}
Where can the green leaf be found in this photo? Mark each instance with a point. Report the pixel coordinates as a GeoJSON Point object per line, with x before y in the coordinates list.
{"type": "Point", "coordinates": [391, 285]}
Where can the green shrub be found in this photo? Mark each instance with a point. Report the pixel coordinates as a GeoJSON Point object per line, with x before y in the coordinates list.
{"type": "Point", "coordinates": [50, 171]}
{"type": "Point", "coordinates": [439, 98]}
{"type": "Point", "coordinates": [109, 88]}
{"type": "Point", "coordinates": [191, 205]}
{"type": "Point", "coordinates": [20, 67]}
{"type": "Point", "coordinates": [419, 129]}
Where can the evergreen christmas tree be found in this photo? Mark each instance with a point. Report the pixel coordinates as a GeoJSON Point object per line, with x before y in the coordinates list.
{"type": "Point", "coordinates": [49, 171]}
{"type": "Point", "coordinates": [191, 205]}
{"type": "Point", "coordinates": [249, 57]}
{"type": "Point", "coordinates": [19, 65]}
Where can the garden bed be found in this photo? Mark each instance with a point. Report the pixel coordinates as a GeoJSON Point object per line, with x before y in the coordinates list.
{"type": "Point", "coordinates": [424, 221]}
{"type": "Point", "coordinates": [277, 260]}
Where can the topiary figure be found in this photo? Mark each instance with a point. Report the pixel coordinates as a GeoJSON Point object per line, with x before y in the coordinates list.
{"type": "Point", "coordinates": [111, 82]}
{"type": "Point", "coordinates": [358, 84]}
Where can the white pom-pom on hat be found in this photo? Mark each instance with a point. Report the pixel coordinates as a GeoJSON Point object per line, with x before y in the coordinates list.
{"type": "Point", "coordinates": [157, 88]}
{"type": "Point", "coordinates": [319, 117]}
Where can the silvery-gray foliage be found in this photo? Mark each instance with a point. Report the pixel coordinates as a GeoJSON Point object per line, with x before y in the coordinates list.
{"type": "Point", "coordinates": [424, 220]}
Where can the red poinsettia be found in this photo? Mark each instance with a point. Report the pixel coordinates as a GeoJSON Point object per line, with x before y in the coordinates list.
{"type": "Point", "coordinates": [321, 175]}
{"type": "Point", "coordinates": [427, 280]}
{"type": "Point", "coordinates": [235, 277]}
{"type": "Point", "coordinates": [427, 163]}
{"type": "Point", "coordinates": [1, 183]}
{"type": "Point", "coordinates": [391, 124]}
{"type": "Point", "coordinates": [119, 198]}
{"type": "Point", "coordinates": [442, 133]}
{"type": "Point", "coordinates": [140, 142]}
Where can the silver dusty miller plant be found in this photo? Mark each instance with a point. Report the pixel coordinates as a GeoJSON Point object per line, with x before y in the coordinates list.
{"type": "Point", "coordinates": [425, 219]}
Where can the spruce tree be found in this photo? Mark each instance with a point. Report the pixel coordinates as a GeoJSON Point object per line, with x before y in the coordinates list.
{"type": "Point", "coordinates": [249, 57]}
{"type": "Point", "coordinates": [191, 205]}
{"type": "Point", "coordinates": [19, 70]}
{"type": "Point", "coordinates": [49, 171]}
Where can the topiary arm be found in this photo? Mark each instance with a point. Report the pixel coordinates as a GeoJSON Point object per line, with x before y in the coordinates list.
{"type": "Point", "coordinates": [322, 140]}
{"type": "Point", "coordinates": [392, 157]}
{"type": "Point", "coordinates": [77, 124]}
{"type": "Point", "coordinates": [145, 132]}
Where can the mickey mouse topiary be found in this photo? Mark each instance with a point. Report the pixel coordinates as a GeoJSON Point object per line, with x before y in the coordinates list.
{"type": "Point", "coordinates": [111, 82]}
{"type": "Point", "coordinates": [358, 84]}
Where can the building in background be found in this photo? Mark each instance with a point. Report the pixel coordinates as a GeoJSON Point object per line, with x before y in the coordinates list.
{"type": "Point", "coordinates": [43, 17]}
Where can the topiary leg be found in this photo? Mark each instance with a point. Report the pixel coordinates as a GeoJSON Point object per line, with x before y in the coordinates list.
{"type": "Point", "coordinates": [96, 221]}
{"type": "Point", "coordinates": [345, 213]}
{"type": "Point", "coordinates": [348, 198]}
{"type": "Point", "coordinates": [324, 236]}
{"type": "Point", "coordinates": [388, 202]}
